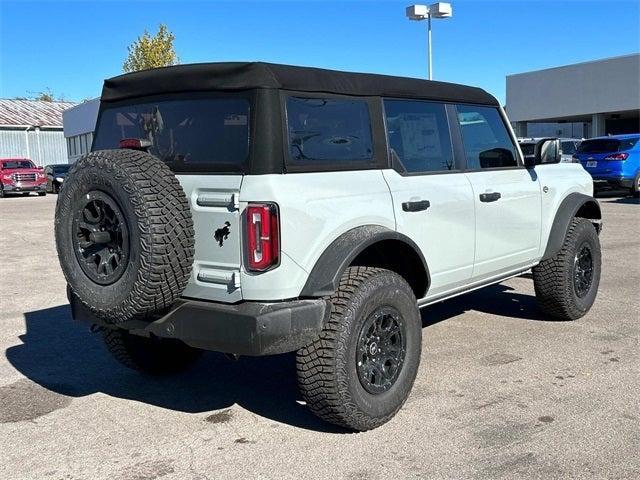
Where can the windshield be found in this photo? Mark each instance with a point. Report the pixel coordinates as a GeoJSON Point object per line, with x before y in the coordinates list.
{"type": "Point", "coordinates": [606, 145]}
{"type": "Point", "coordinates": [61, 169]}
{"type": "Point", "coordinates": [190, 135]}
{"type": "Point", "coordinates": [17, 164]}
{"type": "Point", "coordinates": [527, 148]}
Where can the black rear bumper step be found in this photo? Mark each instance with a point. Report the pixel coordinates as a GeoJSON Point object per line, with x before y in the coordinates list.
{"type": "Point", "coordinates": [247, 328]}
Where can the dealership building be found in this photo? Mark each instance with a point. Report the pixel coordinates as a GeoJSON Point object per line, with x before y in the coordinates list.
{"type": "Point", "coordinates": [582, 100]}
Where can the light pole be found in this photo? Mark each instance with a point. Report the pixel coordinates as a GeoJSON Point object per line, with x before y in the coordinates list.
{"type": "Point", "coordinates": [422, 12]}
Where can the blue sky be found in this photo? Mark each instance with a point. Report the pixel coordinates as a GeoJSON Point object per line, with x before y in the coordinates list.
{"type": "Point", "coordinates": [70, 47]}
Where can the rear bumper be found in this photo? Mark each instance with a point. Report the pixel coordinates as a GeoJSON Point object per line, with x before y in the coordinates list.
{"type": "Point", "coordinates": [248, 328]}
{"type": "Point", "coordinates": [600, 182]}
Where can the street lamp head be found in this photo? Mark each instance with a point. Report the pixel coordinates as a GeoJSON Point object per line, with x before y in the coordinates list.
{"type": "Point", "coordinates": [440, 10]}
{"type": "Point", "coordinates": [417, 12]}
{"type": "Point", "coordinates": [422, 12]}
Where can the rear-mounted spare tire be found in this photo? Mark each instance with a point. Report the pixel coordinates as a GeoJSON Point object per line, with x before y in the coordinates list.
{"type": "Point", "coordinates": [124, 234]}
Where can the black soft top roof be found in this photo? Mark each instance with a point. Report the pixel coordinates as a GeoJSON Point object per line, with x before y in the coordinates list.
{"type": "Point", "coordinates": [233, 76]}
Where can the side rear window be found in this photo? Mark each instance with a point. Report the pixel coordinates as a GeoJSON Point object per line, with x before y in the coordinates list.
{"type": "Point", "coordinates": [328, 131]}
{"type": "Point", "coordinates": [568, 148]}
{"type": "Point", "coordinates": [485, 137]}
{"type": "Point", "coordinates": [418, 135]}
{"type": "Point", "coordinates": [190, 135]}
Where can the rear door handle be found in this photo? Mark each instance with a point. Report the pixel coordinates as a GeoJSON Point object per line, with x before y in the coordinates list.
{"type": "Point", "coordinates": [490, 197]}
{"type": "Point", "coordinates": [416, 206]}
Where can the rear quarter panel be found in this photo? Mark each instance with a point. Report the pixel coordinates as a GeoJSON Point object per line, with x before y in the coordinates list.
{"type": "Point", "coordinates": [315, 209]}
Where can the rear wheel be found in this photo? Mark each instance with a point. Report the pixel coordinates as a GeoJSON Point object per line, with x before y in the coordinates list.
{"type": "Point", "coordinates": [566, 284]}
{"type": "Point", "coordinates": [42, 194]}
{"type": "Point", "coordinates": [635, 190]}
{"type": "Point", "coordinates": [154, 356]}
{"type": "Point", "coordinates": [360, 370]}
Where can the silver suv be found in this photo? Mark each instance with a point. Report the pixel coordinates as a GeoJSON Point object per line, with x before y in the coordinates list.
{"type": "Point", "coordinates": [256, 209]}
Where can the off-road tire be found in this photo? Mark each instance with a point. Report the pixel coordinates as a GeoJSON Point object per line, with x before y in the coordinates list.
{"type": "Point", "coordinates": [153, 356]}
{"type": "Point", "coordinates": [160, 233]}
{"type": "Point", "coordinates": [327, 375]}
{"type": "Point", "coordinates": [553, 278]}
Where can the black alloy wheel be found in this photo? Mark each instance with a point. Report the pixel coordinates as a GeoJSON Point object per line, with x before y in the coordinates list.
{"type": "Point", "coordinates": [381, 350]}
{"type": "Point", "coordinates": [101, 238]}
{"type": "Point", "coordinates": [583, 270]}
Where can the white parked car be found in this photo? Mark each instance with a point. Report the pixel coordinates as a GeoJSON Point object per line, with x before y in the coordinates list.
{"type": "Point", "coordinates": [256, 209]}
{"type": "Point", "coordinates": [556, 150]}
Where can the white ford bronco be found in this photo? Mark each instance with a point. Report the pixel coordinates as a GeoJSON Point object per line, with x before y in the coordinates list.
{"type": "Point", "coordinates": [257, 209]}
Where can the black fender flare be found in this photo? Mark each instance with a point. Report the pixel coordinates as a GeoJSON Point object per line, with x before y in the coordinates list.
{"type": "Point", "coordinates": [567, 210]}
{"type": "Point", "coordinates": [325, 276]}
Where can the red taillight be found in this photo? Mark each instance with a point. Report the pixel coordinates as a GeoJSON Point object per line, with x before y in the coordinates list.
{"type": "Point", "coordinates": [617, 156]}
{"type": "Point", "coordinates": [263, 236]}
{"type": "Point", "coordinates": [134, 143]}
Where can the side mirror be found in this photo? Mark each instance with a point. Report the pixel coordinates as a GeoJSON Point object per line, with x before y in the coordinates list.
{"type": "Point", "coordinates": [545, 151]}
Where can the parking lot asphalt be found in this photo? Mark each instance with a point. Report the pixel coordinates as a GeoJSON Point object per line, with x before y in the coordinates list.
{"type": "Point", "coordinates": [501, 392]}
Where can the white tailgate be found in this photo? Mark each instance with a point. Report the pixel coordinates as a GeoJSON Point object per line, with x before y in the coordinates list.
{"type": "Point", "coordinates": [214, 202]}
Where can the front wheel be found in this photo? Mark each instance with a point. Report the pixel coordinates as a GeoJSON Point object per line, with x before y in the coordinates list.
{"type": "Point", "coordinates": [154, 356]}
{"type": "Point", "coordinates": [360, 370]}
{"type": "Point", "coordinates": [566, 284]}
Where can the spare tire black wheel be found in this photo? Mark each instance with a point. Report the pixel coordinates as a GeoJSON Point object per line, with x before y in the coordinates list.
{"type": "Point", "coordinates": [124, 234]}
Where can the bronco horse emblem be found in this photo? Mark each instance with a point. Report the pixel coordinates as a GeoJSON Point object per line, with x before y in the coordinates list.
{"type": "Point", "coordinates": [222, 234]}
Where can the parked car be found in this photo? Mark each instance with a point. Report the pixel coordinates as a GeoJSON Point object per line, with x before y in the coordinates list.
{"type": "Point", "coordinates": [21, 176]}
{"type": "Point", "coordinates": [613, 162]}
{"type": "Point", "coordinates": [556, 151]}
{"type": "Point", "coordinates": [55, 176]}
{"type": "Point", "coordinates": [257, 209]}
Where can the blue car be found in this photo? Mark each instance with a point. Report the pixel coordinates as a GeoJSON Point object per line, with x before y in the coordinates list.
{"type": "Point", "coordinates": [613, 162]}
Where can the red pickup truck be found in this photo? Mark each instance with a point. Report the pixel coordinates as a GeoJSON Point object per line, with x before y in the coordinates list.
{"type": "Point", "coordinates": [21, 176]}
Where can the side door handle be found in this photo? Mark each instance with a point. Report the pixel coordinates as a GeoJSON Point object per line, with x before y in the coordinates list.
{"type": "Point", "coordinates": [490, 197]}
{"type": "Point", "coordinates": [417, 206]}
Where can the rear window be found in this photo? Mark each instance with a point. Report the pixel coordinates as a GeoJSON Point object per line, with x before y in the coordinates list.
{"type": "Point", "coordinates": [606, 145]}
{"type": "Point", "coordinates": [325, 131]}
{"type": "Point", "coordinates": [189, 135]}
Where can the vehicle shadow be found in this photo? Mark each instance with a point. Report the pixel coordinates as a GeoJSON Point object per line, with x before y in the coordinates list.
{"type": "Point", "coordinates": [625, 200]}
{"type": "Point", "coordinates": [63, 356]}
{"type": "Point", "coordinates": [501, 300]}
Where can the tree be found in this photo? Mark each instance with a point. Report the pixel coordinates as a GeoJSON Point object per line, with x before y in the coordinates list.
{"type": "Point", "coordinates": [151, 51]}
{"type": "Point", "coordinates": [45, 96]}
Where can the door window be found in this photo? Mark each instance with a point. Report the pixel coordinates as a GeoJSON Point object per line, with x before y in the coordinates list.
{"type": "Point", "coordinates": [418, 135]}
{"type": "Point", "coordinates": [487, 142]}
